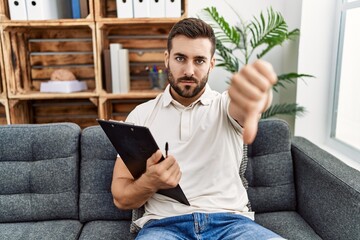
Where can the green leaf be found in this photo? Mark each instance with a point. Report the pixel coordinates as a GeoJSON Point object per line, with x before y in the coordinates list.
{"type": "Point", "coordinates": [227, 59]}
{"type": "Point", "coordinates": [286, 78]}
{"type": "Point", "coordinates": [292, 109]}
{"type": "Point", "coordinates": [222, 28]}
{"type": "Point", "coordinates": [272, 32]}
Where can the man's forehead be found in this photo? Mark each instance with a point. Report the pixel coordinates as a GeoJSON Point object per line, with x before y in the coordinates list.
{"type": "Point", "coordinates": [182, 45]}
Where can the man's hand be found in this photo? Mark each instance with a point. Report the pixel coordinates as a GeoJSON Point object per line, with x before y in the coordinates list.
{"type": "Point", "coordinates": [161, 175]}
{"type": "Point", "coordinates": [250, 93]}
{"type": "Point", "coordinates": [129, 193]}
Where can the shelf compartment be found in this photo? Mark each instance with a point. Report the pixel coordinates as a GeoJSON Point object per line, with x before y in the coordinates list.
{"type": "Point", "coordinates": [146, 44]}
{"type": "Point", "coordinates": [5, 15]}
{"type": "Point", "coordinates": [33, 53]}
{"type": "Point", "coordinates": [2, 75]}
{"type": "Point", "coordinates": [107, 9]}
{"type": "Point", "coordinates": [83, 112]}
{"type": "Point", "coordinates": [118, 109]}
{"type": "Point", "coordinates": [4, 112]}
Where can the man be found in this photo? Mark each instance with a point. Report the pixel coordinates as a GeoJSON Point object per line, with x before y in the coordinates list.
{"type": "Point", "coordinates": [205, 131]}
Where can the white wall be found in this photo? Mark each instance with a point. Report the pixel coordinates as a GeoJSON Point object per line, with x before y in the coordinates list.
{"type": "Point", "coordinates": [284, 59]}
{"type": "Point", "coordinates": [317, 56]}
{"type": "Point", "coordinates": [316, 53]}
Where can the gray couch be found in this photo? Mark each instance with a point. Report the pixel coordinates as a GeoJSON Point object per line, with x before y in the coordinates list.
{"type": "Point", "coordinates": [55, 184]}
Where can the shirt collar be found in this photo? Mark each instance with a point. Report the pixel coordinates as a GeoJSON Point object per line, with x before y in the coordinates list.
{"type": "Point", "coordinates": [205, 98]}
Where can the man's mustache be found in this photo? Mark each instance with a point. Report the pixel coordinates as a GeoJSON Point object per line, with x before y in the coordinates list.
{"type": "Point", "coordinates": [187, 79]}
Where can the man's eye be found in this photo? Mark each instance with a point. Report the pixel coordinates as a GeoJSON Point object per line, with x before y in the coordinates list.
{"type": "Point", "coordinates": [199, 61]}
{"type": "Point", "coordinates": [179, 59]}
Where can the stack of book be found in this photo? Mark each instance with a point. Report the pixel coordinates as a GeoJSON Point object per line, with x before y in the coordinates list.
{"type": "Point", "coordinates": [117, 70]}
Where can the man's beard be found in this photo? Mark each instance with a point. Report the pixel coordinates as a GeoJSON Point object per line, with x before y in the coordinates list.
{"type": "Point", "coordinates": [187, 92]}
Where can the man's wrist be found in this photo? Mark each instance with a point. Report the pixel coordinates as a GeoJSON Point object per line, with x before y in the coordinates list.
{"type": "Point", "coordinates": [268, 100]}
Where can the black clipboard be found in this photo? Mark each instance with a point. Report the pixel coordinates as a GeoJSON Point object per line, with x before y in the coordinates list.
{"type": "Point", "coordinates": [135, 144]}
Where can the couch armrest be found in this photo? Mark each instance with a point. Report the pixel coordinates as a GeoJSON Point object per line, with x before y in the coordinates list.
{"type": "Point", "coordinates": [328, 191]}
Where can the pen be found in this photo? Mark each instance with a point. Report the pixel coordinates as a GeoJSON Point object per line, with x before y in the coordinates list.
{"type": "Point", "coordinates": [166, 149]}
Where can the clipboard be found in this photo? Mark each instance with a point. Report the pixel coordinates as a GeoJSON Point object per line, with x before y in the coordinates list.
{"type": "Point", "coordinates": [135, 144]}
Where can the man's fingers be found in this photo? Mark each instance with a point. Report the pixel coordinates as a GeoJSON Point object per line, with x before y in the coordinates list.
{"type": "Point", "coordinates": [155, 158]}
{"type": "Point", "coordinates": [250, 127]}
{"type": "Point", "coordinates": [267, 70]}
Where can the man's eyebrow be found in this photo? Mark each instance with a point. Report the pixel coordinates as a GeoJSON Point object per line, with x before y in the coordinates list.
{"type": "Point", "coordinates": [180, 55]}
{"type": "Point", "coordinates": [201, 57]}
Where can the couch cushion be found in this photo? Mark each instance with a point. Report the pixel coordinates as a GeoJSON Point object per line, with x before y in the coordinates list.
{"type": "Point", "coordinates": [96, 167]}
{"type": "Point", "coordinates": [270, 169]}
{"type": "Point", "coordinates": [39, 172]}
{"type": "Point", "coordinates": [116, 230]}
{"type": "Point", "coordinates": [54, 230]}
{"type": "Point", "coordinates": [289, 225]}
{"type": "Point", "coordinates": [327, 189]}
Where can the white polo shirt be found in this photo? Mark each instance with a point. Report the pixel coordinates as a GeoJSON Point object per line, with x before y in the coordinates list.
{"type": "Point", "coordinates": [207, 143]}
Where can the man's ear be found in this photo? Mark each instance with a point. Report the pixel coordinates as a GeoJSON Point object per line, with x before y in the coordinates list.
{"type": "Point", "coordinates": [212, 63]}
{"type": "Point", "coordinates": [166, 58]}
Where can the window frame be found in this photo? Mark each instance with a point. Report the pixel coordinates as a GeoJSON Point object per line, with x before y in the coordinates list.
{"type": "Point", "coordinates": [334, 142]}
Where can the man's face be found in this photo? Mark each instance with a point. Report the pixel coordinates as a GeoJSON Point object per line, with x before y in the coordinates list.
{"type": "Point", "coordinates": [189, 63]}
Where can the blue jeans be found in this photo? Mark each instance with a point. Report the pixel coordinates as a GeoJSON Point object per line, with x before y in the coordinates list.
{"type": "Point", "coordinates": [205, 226]}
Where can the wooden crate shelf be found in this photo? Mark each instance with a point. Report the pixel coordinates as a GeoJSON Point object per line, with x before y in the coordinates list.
{"type": "Point", "coordinates": [2, 74]}
{"type": "Point", "coordinates": [4, 112]}
{"type": "Point", "coordinates": [146, 43]}
{"type": "Point", "coordinates": [33, 53]}
{"type": "Point", "coordinates": [31, 50]}
{"type": "Point", "coordinates": [83, 112]}
{"type": "Point", "coordinates": [118, 109]}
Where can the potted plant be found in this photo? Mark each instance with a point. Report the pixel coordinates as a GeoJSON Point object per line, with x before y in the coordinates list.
{"type": "Point", "coordinates": [238, 45]}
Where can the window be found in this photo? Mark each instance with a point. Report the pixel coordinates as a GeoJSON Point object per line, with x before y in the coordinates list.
{"type": "Point", "coordinates": [346, 114]}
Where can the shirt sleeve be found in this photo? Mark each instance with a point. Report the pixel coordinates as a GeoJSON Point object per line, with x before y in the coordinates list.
{"type": "Point", "coordinates": [237, 127]}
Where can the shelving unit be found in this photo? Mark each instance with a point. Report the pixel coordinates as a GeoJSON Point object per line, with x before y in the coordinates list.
{"type": "Point", "coordinates": [32, 50]}
{"type": "Point", "coordinates": [4, 105]}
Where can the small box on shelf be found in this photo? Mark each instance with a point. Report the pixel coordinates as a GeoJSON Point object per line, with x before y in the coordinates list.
{"type": "Point", "coordinates": [63, 86]}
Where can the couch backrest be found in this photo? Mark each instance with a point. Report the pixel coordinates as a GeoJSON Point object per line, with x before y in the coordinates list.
{"type": "Point", "coordinates": [269, 170]}
{"type": "Point", "coordinates": [96, 167]}
{"type": "Point", "coordinates": [39, 172]}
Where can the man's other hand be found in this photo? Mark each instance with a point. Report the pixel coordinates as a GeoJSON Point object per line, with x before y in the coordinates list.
{"type": "Point", "coordinates": [250, 92]}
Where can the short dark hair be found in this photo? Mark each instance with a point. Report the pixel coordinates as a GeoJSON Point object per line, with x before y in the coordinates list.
{"type": "Point", "coordinates": [192, 28]}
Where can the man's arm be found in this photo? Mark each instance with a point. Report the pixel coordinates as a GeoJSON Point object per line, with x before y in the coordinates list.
{"type": "Point", "coordinates": [251, 94]}
{"type": "Point", "coordinates": [130, 193]}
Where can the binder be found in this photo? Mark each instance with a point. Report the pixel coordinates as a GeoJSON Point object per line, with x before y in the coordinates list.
{"type": "Point", "coordinates": [157, 8]}
{"type": "Point", "coordinates": [18, 10]}
{"type": "Point", "coordinates": [48, 9]}
{"type": "Point", "coordinates": [141, 8]}
{"type": "Point", "coordinates": [125, 8]}
{"type": "Point", "coordinates": [75, 7]}
{"type": "Point", "coordinates": [115, 65]}
{"type": "Point", "coordinates": [173, 8]}
{"type": "Point", "coordinates": [124, 70]}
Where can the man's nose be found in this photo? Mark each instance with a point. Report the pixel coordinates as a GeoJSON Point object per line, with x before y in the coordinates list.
{"type": "Point", "coordinates": [189, 70]}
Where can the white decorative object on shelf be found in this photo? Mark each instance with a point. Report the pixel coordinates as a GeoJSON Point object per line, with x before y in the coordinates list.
{"type": "Point", "coordinates": [63, 86]}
